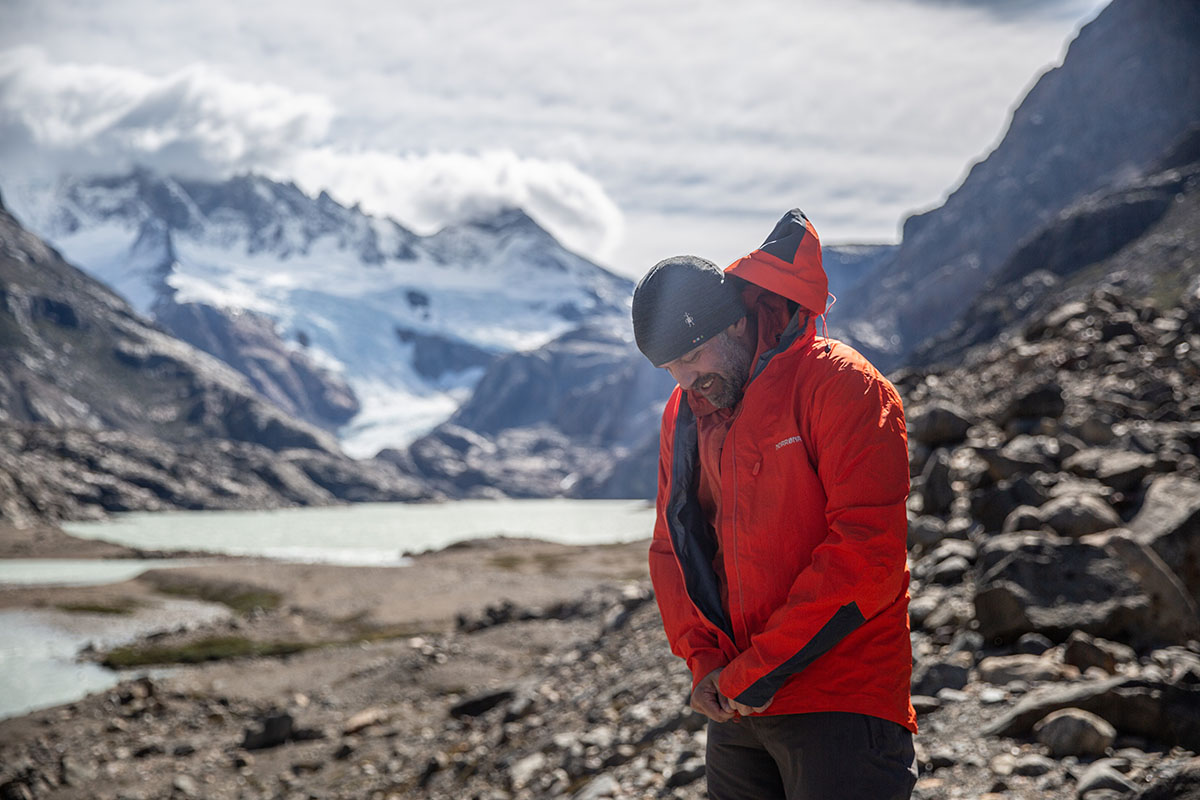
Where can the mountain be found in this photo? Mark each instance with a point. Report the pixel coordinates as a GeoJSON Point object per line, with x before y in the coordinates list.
{"type": "Point", "coordinates": [571, 418]}
{"type": "Point", "coordinates": [1128, 88]}
{"type": "Point", "coordinates": [349, 321]}
{"type": "Point", "coordinates": [847, 265]}
{"type": "Point", "coordinates": [1141, 237]}
{"type": "Point", "coordinates": [102, 411]}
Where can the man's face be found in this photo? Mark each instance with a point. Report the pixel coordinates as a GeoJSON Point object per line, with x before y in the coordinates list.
{"type": "Point", "coordinates": [716, 370]}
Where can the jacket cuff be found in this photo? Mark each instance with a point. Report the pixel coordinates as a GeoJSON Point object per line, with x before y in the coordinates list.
{"type": "Point", "coordinates": [703, 662]}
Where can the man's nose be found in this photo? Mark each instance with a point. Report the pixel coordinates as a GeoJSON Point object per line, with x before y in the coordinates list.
{"type": "Point", "coordinates": [682, 375]}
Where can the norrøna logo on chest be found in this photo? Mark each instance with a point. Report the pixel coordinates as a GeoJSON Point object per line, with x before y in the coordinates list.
{"type": "Point", "coordinates": [786, 442]}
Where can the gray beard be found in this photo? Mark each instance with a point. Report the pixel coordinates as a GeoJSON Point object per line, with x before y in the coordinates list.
{"type": "Point", "coordinates": [734, 374]}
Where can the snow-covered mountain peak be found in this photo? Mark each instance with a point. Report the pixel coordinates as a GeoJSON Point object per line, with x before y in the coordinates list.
{"type": "Point", "coordinates": [406, 320]}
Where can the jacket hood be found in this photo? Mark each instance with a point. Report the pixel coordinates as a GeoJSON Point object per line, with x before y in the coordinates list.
{"type": "Point", "coordinates": [788, 264]}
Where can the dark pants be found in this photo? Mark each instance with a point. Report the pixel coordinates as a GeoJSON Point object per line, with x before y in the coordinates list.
{"type": "Point", "coordinates": [820, 756]}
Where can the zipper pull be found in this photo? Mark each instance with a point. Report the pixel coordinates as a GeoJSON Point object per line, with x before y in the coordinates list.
{"type": "Point", "coordinates": [757, 467]}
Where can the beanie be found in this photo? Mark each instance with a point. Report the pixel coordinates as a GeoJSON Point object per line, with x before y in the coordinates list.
{"type": "Point", "coordinates": [681, 303]}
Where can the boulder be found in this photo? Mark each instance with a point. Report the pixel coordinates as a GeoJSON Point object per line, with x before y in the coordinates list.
{"type": "Point", "coordinates": [1022, 518]}
{"type": "Point", "coordinates": [1045, 400]}
{"type": "Point", "coordinates": [478, 704]}
{"type": "Point", "coordinates": [937, 491]}
{"type": "Point", "coordinates": [1157, 710]}
{"type": "Point", "coordinates": [1123, 470]}
{"type": "Point", "coordinates": [1023, 455]}
{"type": "Point", "coordinates": [1101, 775]}
{"type": "Point", "coordinates": [1033, 644]}
{"type": "Point", "coordinates": [1174, 614]}
{"type": "Point", "coordinates": [270, 731]}
{"type": "Point", "coordinates": [991, 505]}
{"type": "Point", "coordinates": [1032, 764]}
{"type": "Point", "coordinates": [949, 571]}
{"type": "Point", "coordinates": [1169, 523]}
{"type": "Point", "coordinates": [1077, 515]}
{"type": "Point", "coordinates": [1182, 784]}
{"type": "Point", "coordinates": [1074, 732]}
{"type": "Point", "coordinates": [1030, 582]}
{"type": "Point", "coordinates": [1019, 667]}
{"type": "Point", "coordinates": [939, 423]}
{"type": "Point", "coordinates": [932, 676]}
{"type": "Point", "coordinates": [1084, 652]}
{"type": "Point", "coordinates": [925, 531]}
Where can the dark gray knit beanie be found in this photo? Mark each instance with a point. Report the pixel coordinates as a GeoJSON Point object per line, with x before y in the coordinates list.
{"type": "Point", "coordinates": [681, 303]}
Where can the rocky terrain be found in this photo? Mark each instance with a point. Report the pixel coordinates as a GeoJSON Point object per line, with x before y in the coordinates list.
{"type": "Point", "coordinates": [1054, 546]}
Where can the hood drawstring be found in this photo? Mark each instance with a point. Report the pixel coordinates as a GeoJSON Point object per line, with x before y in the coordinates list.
{"type": "Point", "coordinates": [825, 322]}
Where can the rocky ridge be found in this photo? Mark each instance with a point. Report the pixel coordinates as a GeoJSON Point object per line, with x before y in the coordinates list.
{"type": "Point", "coordinates": [1139, 236]}
{"type": "Point", "coordinates": [1072, 135]}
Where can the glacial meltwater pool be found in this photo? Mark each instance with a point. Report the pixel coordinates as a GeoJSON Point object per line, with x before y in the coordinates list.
{"type": "Point", "coordinates": [39, 664]}
{"type": "Point", "coordinates": [373, 534]}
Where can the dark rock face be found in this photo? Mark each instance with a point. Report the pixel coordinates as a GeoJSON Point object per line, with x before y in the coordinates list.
{"type": "Point", "coordinates": [76, 355]}
{"type": "Point", "coordinates": [249, 343]}
{"type": "Point", "coordinates": [848, 264]}
{"type": "Point", "coordinates": [435, 356]}
{"type": "Point", "coordinates": [1069, 137]}
{"type": "Point", "coordinates": [1137, 234]}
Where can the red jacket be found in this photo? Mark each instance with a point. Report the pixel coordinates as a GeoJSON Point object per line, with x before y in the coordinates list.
{"type": "Point", "coordinates": [812, 478]}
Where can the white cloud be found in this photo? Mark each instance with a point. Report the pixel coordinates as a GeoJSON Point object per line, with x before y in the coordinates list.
{"type": "Point", "coordinates": [197, 122]}
{"type": "Point", "coordinates": [691, 111]}
{"type": "Point", "coordinates": [428, 192]}
{"type": "Point", "coordinates": [190, 121]}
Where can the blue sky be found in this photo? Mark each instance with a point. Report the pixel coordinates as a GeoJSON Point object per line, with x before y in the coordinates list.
{"type": "Point", "coordinates": [632, 130]}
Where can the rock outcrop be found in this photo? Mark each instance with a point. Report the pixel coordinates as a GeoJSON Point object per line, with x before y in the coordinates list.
{"type": "Point", "coordinates": [1071, 136]}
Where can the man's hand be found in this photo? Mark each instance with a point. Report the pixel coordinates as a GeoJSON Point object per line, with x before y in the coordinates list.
{"type": "Point", "coordinates": [708, 701]}
{"type": "Point", "coordinates": [746, 710]}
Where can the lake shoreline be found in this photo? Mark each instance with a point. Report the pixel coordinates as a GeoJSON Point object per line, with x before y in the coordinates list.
{"type": "Point", "coordinates": [52, 542]}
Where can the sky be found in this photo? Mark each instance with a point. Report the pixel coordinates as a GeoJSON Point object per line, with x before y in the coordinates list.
{"type": "Point", "coordinates": [633, 130]}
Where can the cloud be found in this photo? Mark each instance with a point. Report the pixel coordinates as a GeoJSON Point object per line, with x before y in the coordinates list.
{"type": "Point", "coordinates": [683, 112]}
{"type": "Point", "coordinates": [430, 191]}
{"type": "Point", "coordinates": [189, 122]}
{"type": "Point", "coordinates": [196, 122]}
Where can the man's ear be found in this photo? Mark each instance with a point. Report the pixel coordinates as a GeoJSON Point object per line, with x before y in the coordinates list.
{"type": "Point", "coordinates": [738, 329]}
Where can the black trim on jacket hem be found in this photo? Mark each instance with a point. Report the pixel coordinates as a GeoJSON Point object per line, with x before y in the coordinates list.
{"type": "Point", "coordinates": [844, 621]}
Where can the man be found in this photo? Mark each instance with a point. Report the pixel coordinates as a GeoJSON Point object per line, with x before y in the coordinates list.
{"type": "Point", "coordinates": [778, 556]}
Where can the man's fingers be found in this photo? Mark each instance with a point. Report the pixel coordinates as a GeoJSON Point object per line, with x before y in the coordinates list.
{"type": "Point", "coordinates": [746, 710]}
{"type": "Point", "coordinates": [707, 704]}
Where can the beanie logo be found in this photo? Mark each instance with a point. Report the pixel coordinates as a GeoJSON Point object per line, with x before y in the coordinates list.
{"type": "Point", "coordinates": [687, 318]}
